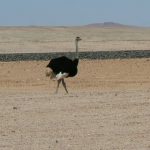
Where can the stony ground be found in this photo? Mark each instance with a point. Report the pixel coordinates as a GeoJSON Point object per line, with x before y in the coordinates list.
{"type": "Point", "coordinates": [107, 107]}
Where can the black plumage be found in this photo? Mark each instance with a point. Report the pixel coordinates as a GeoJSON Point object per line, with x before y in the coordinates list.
{"type": "Point", "coordinates": [64, 65]}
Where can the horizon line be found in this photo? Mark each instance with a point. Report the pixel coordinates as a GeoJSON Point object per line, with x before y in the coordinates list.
{"type": "Point", "coordinates": [98, 24]}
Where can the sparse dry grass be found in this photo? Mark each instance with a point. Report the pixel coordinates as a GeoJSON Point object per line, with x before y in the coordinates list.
{"type": "Point", "coordinates": [50, 39]}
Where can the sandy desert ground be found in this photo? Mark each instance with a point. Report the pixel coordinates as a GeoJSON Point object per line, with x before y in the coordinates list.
{"type": "Point", "coordinates": [108, 107]}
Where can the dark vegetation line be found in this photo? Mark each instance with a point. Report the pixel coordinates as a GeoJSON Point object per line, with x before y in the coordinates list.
{"type": "Point", "coordinates": [83, 55]}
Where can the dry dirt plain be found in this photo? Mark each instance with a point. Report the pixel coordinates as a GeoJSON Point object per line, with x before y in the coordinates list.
{"type": "Point", "coordinates": [108, 107]}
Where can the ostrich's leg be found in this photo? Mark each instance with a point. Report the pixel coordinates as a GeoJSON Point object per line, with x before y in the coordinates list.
{"type": "Point", "coordinates": [58, 83]}
{"type": "Point", "coordinates": [64, 85]}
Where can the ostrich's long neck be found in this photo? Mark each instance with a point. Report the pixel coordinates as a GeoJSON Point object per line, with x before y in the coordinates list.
{"type": "Point", "coordinates": [77, 52]}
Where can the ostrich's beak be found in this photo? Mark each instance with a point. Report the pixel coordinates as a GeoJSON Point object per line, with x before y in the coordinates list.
{"type": "Point", "coordinates": [78, 38]}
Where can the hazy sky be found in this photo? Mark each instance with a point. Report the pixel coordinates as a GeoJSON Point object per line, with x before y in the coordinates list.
{"type": "Point", "coordinates": [74, 12]}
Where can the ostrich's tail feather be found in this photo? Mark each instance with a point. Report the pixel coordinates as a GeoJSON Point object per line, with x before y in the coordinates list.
{"type": "Point", "coordinates": [49, 73]}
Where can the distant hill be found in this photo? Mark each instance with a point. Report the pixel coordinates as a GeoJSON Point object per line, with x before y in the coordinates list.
{"type": "Point", "coordinates": [108, 24]}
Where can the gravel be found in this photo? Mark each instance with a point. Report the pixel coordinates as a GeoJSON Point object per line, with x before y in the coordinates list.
{"type": "Point", "coordinates": [82, 55]}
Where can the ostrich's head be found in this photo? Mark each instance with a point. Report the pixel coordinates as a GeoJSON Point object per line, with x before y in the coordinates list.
{"type": "Point", "coordinates": [78, 39]}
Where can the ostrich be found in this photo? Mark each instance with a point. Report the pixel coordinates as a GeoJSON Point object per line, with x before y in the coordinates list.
{"type": "Point", "coordinates": [63, 67]}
